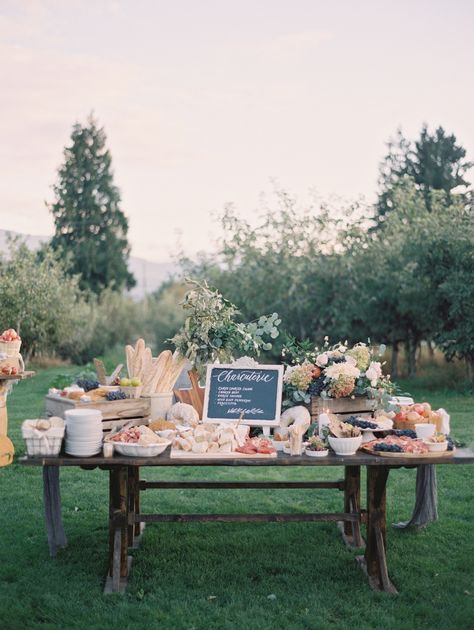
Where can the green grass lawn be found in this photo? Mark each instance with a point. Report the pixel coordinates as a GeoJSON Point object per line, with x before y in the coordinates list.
{"type": "Point", "coordinates": [232, 575]}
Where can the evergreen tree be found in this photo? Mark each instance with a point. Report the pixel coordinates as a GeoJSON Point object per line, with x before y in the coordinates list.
{"type": "Point", "coordinates": [90, 226]}
{"type": "Point", "coordinates": [435, 162]}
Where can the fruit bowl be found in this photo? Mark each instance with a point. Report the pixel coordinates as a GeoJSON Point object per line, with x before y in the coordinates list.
{"type": "Point", "coordinates": [311, 453]}
{"type": "Point", "coordinates": [436, 447]}
{"type": "Point", "coordinates": [137, 450]}
{"type": "Point", "coordinates": [345, 446]}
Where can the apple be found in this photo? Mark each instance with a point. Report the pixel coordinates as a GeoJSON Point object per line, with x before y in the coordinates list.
{"type": "Point", "coordinates": [401, 416]}
{"type": "Point", "coordinates": [419, 408]}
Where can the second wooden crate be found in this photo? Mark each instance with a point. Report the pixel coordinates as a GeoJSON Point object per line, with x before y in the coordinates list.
{"type": "Point", "coordinates": [115, 413]}
{"type": "Point", "coordinates": [345, 407]}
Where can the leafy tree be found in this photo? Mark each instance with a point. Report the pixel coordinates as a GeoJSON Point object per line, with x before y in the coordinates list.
{"type": "Point", "coordinates": [90, 226]}
{"type": "Point", "coordinates": [290, 263]}
{"type": "Point", "coordinates": [435, 162]}
{"type": "Point", "coordinates": [41, 301]}
{"type": "Point", "coordinates": [449, 265]}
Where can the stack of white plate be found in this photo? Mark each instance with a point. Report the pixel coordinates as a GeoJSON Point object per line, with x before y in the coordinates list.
{"type": "Point", "coordinates": [83, 432]}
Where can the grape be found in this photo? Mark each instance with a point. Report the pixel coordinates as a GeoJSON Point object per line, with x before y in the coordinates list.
{"type": "Point", "coordinates": [87, 384]}
{"type": "Point", "coordinates": [359, 422]}
{"type": "Point", "coordinates": [116, 395]}
{"type": "Point", "coordinates": [404, 433]}
{"type": "Point", "coordinates": [388, 448]}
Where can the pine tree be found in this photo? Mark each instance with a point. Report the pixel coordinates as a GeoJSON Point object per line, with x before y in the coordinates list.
{"type": "Point", "coordinates": [434, 162]}
{"type": "Point", "coordinates": [90, 226]}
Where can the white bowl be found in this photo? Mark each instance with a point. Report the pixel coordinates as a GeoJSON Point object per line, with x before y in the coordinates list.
{"type": "Point", "coordinates": [345, 446]}
{"type": "Point", "coordinates": [316, 453]}
{"type": "Point", "coordinates": [136, 450]}
{"type": "Point", "coordinates": [436, 447]}
{"type": "Point", "coordinates": [287, 449]}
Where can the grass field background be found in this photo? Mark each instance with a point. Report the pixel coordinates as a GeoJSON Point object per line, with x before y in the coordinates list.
{"type": "Point", "coordinates": [199, 576]}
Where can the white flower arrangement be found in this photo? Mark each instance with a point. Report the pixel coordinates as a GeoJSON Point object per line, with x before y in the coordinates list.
{"type": "Point", "coordinates": [338, 371]}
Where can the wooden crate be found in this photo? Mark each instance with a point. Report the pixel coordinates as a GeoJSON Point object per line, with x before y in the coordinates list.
{"type": "Point", "coordinates": [344, 407]}
{"type": "Point", "coordinates": [115, 413]}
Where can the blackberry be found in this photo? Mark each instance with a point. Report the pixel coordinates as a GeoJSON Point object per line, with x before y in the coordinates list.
{"type": "Point", "coordinates": [317, 386]}
{"type": "Point", "coordinates": [116, 395]}
{"type": "Point", "coordinates": [87, 384]}
{"type": "Point", "coordinates": [388, 448]}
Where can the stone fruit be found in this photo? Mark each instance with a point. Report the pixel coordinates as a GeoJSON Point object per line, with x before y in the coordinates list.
{"type": "Point", "coordinates": [413, 416]}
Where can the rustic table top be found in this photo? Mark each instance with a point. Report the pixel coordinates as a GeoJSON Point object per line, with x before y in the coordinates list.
{"type": "Point", "coordinates": [461, 456]}
{"type": "Point", "coordinates": [16, 377]}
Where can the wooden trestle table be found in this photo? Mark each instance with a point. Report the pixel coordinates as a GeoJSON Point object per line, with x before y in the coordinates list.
{"type": "Point", "coordinates": [126, 520]}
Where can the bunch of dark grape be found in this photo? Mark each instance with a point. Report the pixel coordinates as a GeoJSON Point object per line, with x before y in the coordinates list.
{"type": "Point", "coordinates": [338, 360]}
{"type": "Point", "coordinates": [359, 422]}
{"type": "Point", "coordinates": [388, 448]}
{"type": "Point", "coordinates": [116, 395]}
{"type": "Point", "coordinates": [87, 384]}
{"type": "Point", "coordinates": [404, 433]}
{"type": "Point", "coordinates": [317, 386]}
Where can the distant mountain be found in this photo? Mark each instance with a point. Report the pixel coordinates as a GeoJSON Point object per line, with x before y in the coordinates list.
{"type": "Point", "coordinates": [149, 275]}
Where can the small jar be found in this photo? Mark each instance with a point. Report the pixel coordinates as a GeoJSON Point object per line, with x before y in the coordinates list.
{"type": "Point", "coordinates": [108, 449]}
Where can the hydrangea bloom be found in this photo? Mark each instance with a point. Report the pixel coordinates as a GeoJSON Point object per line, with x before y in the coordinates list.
{"type": "Point", "coordinates": [342, 369]}
{"type": "Point", "coordinates": [300, 376]}
{"type": "Point", "coordinates": [361, 354]}
{"type": "Point", "coordinates": [343, 386]}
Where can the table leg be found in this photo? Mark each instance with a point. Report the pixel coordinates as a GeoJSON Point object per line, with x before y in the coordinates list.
{"type": "Point", "coordinates": [374, 562]}
{"type": "Point", "coordinates": [134, 529]}
{"type": "Point", "coordinates": [119, 563]}
{"type": "Point", "coordinates": [351, 529]}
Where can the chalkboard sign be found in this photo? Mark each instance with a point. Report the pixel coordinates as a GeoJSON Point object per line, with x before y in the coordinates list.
{"type": "Point", "coordinates": [255, 391]}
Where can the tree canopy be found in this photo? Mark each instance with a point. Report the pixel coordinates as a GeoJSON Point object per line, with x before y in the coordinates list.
{"type": "Point", "coordinates": [434, 162]}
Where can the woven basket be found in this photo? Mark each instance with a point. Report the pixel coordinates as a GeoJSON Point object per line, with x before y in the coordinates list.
{"type": "Point", "coordinates": [11, 348]}
{"type": "Point", "coordinates": [42, 443]}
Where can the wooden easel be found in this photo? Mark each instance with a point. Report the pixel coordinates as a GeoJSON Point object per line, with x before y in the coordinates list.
{"type": "Point", "coordinates": [192, 396]}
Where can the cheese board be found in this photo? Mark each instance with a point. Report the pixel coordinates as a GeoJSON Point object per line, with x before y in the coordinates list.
{"type": "Point", "coordinates": [179, 454]}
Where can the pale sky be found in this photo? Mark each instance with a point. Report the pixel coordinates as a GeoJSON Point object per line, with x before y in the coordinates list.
{"type": "Point", "coordinates": [205, 102]}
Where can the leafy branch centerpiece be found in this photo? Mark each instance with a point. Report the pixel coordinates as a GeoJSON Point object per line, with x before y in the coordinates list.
{"type": "Point", "coordinates": [212, 333]}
